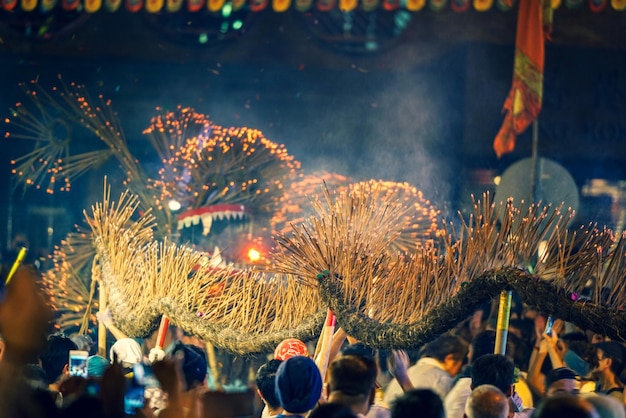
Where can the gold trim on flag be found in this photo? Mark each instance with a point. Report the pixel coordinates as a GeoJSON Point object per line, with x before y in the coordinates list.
{"type": "Point", "coordinates": [415, 5]}
{"type": "Point", "coordinates": [281, 5]}
{"type": "Point", "coordinates": [483, 5]}
{"type": "Point", "coordinates": [91, 6]}
{"type": "Point", "coordinates": [28, 5]}
{"type": "Point", "coordinates": [348, 5]}
{"type": "Point", "coordinates": [215, 5]}
{"type": "Point", "coordinates": [154, 6]}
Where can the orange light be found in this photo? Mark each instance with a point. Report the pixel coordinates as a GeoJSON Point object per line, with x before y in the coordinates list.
{"type": "Point", "coordinates": [254, 255]}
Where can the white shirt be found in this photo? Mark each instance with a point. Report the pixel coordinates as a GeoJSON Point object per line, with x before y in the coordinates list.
{"type": "Point", "coordinates": [427, 373]}
{"type": "Point", "coordinates": [456, 399]}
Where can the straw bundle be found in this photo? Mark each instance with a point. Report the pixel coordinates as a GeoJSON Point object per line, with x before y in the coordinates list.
{"type": "Point", "coordinates": [239, 311]}
{"type": "Point", "coordinates": [51, 134]}
{"type": "Point", "coordinates": [294, 206]}
{"type": "Point", "coordinates": [404, 300]}
{"type": "Point", "coordinates": [217, 165]}
{"type": "Point", "coordinates": [421, 221]}
{"type": "Point", "coordinates": [71, 291]}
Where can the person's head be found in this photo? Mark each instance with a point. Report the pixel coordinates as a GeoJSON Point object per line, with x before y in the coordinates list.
{"type": "Point", "coordinates": [290, 347]}
{"type": "Point", "coordinates": [359, 349]}
{"type": "Point", "coordinates": [450, 350]}
{"type": "Point", "coordinates": [564, 405]}
{"type": "Point", "coordinates": [418, 403]}
{"type": "Point", "coordinates": [581, 356]}
{"type": "Point", "coordinates": [495, 370]}
{"type": "Point", "coordinates": [96, 365]}
{"type": "Point", "coordinates": [193, 363]}
{"type": "Point", "coordinates": [562, 379]}
{"type": "Point", "coordinates": [298, 384]}
{"type": "Point", "coordinates": [265, 382]}
{"type": "Point", "coordinates": [610, 357]}
{"type": "Point", "coordinates": [85, 406]}
{"type": "Point", "coordinates": [487, 401]}
{"type": "Point", "coordinates": [483, 343]}
{"type": "Point", "coordinates": [605, 406]}
{"type": "Point", "coordinates": [83, 341]}
{"type": "Point", "coordinates": [55, 357]}
{"type": "Point", "coordinates": [332, 410]}
{"type": "Point", "coordinates": [35, 376]}
{"type": "Point", "coordinates": [352, 381]}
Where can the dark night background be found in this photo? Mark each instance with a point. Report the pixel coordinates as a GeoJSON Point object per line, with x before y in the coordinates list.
{"type": "Point", "coordinates": [423, 108]}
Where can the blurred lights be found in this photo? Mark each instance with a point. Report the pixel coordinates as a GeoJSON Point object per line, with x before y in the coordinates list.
{"type": "Point", "coordinates": [254, 254]}
{"type": "Point", "coordinates": [174, 205]}
{"type": "Point", "coordinates": [227, 10]}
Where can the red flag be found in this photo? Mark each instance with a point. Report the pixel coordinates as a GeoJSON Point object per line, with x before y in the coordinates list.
{"type": "Point", "coordinates": [523, 104]}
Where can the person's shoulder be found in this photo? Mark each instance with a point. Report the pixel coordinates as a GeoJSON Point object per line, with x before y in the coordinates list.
{"type": "Point", "coordinates": [461, 386]}
{"type": "Point", "coordinates": [378, 411]}
{"type": "Point", "coordinates": [526, 413]}
{"type": "Point", "coordinates": [617, 393]}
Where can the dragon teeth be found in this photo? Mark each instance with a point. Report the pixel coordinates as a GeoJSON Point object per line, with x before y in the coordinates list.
{"type": "Point", "coordinates": [207, 222]}
{"type": "Point", "coordinates": [208, 218]}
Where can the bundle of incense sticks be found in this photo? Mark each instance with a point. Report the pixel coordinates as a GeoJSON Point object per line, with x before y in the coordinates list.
{"type": "Point", "coordinates": [225, 303]}
{"type": "Point", "coordinates": [350, 238]}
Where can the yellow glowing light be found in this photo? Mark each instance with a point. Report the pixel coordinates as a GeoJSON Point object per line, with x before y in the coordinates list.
{"type": "Point", "coordinates": [174, 205]}
{"type": "Point", "coordinates": [254, 255]}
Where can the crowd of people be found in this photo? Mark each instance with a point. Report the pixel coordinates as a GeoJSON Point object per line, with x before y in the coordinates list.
{"type": "Point", "coordinates": [564, 372]}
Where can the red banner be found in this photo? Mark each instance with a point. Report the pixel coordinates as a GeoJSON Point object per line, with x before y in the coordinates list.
{"type": "Point", "coordinates": [523, 103]}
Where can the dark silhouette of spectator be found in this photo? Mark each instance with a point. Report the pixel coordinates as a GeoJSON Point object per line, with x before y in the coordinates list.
{"type": "Point", "coordinates": [332, 410]}
{"type": "Point", "coordinates": [84, 406]}
{"type": "Point", "coordinates": [352, 382]}
{"type": "Point", "coordinates": [606, 406]}
{"type": "Point", "coordinates": [298, 385]}
{"type": "Point", "coordinates": [564, 405]}
{"type": "Point", "coordinates": [423, 403]}
{"type": "Point", "coordinates": [55, 362]}
{"type": "Point", "coordinates": [35, 376]}
{"type": "Point", "coordinates": [379, 409]}
{"type": "Point", "coordinates": [266, 382]}
{"type": "Point", "coordinates": [193, 363]}
{"type": "Point", "coordinates": [499, 371]}
{"type": "Point", "coordinates": [495, 370]}
{"type": "Point", "coordinates": [183, 378]}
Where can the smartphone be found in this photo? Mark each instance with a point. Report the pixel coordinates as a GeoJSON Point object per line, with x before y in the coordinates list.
{"type": "Point", "coordinates": [134, 396]}
{"type": "Point", "coordinates": [78, 363]}
{"type": "Point", "coordinates": [518, 404]}
{"type": "Point", "coordinates": [549, 323]}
